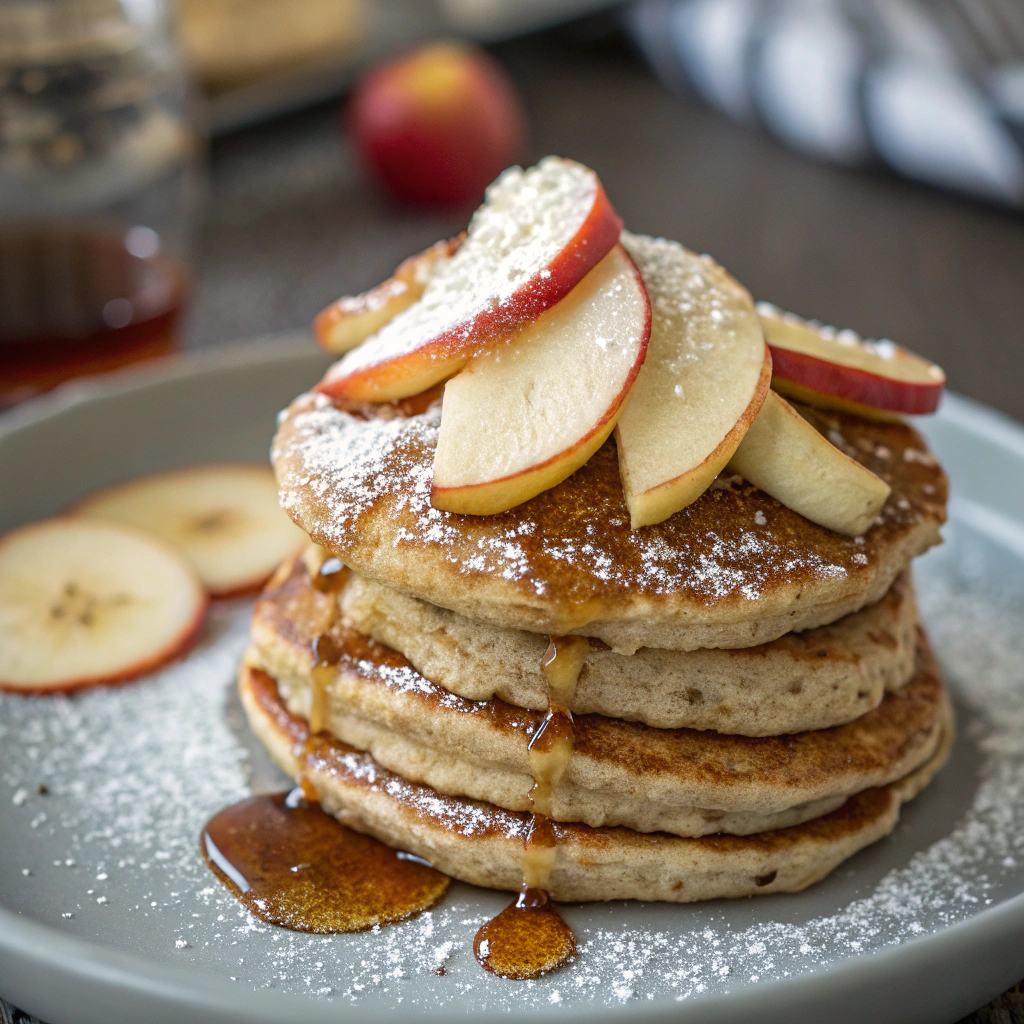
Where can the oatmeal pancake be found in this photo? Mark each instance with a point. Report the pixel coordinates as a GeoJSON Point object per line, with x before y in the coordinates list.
{"type": "Point", "coordinates": [620, 773]}
{"type": "Point", "coordinates": [483, 844]}
{"type": "Point", "coordinates": [810, 680]}
{"type": "Point", "coordinates": [734, 569]}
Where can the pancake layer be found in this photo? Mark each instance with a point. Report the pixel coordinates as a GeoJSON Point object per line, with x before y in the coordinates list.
{"type": "Point", "coordinates": [621, 773]}
{"type": "Point", "coordinates": [810, 680]}
{"type": "Point", "coordinates": [483, 844]}
{"type": "Point", "coordinates": [734, 569]}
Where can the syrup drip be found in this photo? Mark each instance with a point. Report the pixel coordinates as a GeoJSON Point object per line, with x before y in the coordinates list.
{"type": "Point", "coordinates": [331, 575]}
{"type": "Point", "coordinates": [529, 937]}
{"type": "Point", "coordinates": [551, 745]}
{"type": "Point", "coordinates": [327, 652]}
{"type": "Point", "coordinates": [328, 575]}
{"type": "Point", "coordinates": [292, 865]}
{"type": "Point", "coordinates": [562, 663]}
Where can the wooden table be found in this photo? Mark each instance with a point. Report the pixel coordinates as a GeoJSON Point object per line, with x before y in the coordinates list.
{"type": "Point", "coordinates": [291, 226]}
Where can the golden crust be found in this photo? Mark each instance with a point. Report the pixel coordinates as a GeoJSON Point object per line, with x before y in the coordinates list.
{"type": "Point", "coordinates": [801, 681]}
{"type": "Point", "coordinates": [810, 680]}
{"type": "Point", "coordinates": [482, 844]}
{"type": "Point", "coordinates": [734, 569]}
{"type": "Point", "coordinates": [679, 780]}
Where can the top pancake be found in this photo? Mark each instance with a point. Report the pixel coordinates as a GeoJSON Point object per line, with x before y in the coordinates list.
{"type": "Point", "coordinates": [734, 569]}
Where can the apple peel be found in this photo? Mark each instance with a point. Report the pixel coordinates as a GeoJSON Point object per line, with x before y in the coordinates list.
{"type": "Point", "coordinates": [522, 417]}
{"type": "Point", "coordinates": [841, 370]}
{"type": "Point", "coordinates": [85, 602]}
{"type": "Point", "coordinates": [350, 320]}
{"type": "Point", "coordinates": [224, 519]}
{"type": "Point", "coordinates": [786, 457]}
{"type": "Point", "coordinates": [536, 236]}
{"type": "Point", "coordinates": [704, 380]}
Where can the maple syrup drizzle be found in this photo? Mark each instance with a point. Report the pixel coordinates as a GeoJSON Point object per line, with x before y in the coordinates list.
{"type": "Point", "coordinates": [293, 865]}
{"type": "Point", "coordinates": [551, 745]}
{"type": "Point", "coordinates": [529, 937]}
{"type": "Point", "coordinates": [290, 863]}
{"type": "Point", "coordinates": [328, 575]}
{"type": "Point", "coordinates": [331, 575]}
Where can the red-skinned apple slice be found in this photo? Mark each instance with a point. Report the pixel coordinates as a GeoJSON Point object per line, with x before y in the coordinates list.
{"type": "Point", "coordinates": [84, 602]}
{"type": "Point", "coordinates": [522, 417]}
{"type": "Point", "coordinates": [224, 520]}
{"type": "Point", "coordinates": [353, 318]}
{"type": "Point", "coordinates": [537, 234]}
{"type": "Point", "coordinates": [705, 377]}
{"type": "Point", "coordinates": [787, 458]}
{"type": "Point", "coordinates": [840, 370]}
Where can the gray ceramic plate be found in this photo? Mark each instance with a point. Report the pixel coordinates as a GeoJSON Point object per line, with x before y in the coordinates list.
{"type": "Point", "coordinates": [107, 912]}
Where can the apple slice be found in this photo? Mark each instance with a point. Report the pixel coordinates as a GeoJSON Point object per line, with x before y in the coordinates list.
{"type": "Point", "coordinates": [353, 318]}
{"type": "Point", "coordinates": [532, 241]}
{"type": "Point", "coordinates": [705, 377]}
{"type": "Point", "coordinates": [523, 416]}
{"type": "Point", "coordinates": [840, 370]}
{"type": "Point", "coordinates": [225, 520]}
{"type": "Point", "coordinates": [84, 602]}
{"type": "Point", "coordinates": [787, 458]}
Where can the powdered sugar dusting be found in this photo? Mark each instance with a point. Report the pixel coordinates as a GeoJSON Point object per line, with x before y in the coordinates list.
{"type": "Point", "coordinates": [350, 468]}
{"type": "Point", "coordinates": [528, 218]}
{"type": "Point", "coordinates": [109, 849]}
{"type": "Point", "coordinates": [380, 457]}
{"type": "Point", "coordinates": [461, 816]}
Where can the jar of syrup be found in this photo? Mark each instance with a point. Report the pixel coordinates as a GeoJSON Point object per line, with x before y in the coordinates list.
{"type": "Point", "coordinates": [100, 171]}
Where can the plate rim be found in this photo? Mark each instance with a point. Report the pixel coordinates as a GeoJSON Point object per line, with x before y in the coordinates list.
{"type": "Point", "coordinates": [29, 947]}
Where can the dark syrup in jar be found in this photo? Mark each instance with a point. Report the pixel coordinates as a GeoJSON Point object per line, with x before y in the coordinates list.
{"type": "Point", "coordinates": [82, 297]}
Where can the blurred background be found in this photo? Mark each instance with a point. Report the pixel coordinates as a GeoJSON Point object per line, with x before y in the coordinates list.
{"type": "Point", "coordinates": [183, 174]}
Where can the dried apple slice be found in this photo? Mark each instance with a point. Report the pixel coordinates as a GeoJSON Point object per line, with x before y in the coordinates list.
{"type": "Point", "coordinates": [353, 318]}
{"type": "Point", "coordinates": [787, 458]}
{"type": "Point", "coordinates": [84, 602]}
{"type": "Point", "coordinates": [521, 417]}
{"type": "Point", "coordinates": [840, 370]}
{"type": "Point", "coordinates": [705, 377]}
{"type": "Point", "coordinates": [535, 237]}
{"type": "Point", "coordinates": [225, 520]}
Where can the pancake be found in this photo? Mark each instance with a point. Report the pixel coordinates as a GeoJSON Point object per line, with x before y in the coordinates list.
{"type": "Point", "coordinates": [734, 569]}
{"type": "Point", "coordinates": [810, 680]}
{"type": "Point", "coordinates": [620, 773]}
{"type": "Point", "coordinates": [483, 844]}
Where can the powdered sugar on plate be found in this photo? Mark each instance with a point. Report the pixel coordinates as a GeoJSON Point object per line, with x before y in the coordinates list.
{"type": "Point", "coordinates": [103, 795]}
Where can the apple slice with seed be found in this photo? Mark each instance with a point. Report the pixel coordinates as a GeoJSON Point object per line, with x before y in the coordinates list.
{"type": "Point", "coordinates": [225, 520]}
{"type": "Point", "coordinates": [705, 377]}
{"type": "Point", "coordinates": [787, 458]}
{"type": "Point", "coordinates": [84, 602]}
{"type": "Point", "coordinates": [353, 318]}
{"type": "Point", "coordinates": [523, 416]}
{"type": "Point", "coordinates": [840, 370]}
{"type": "Point", "coordinates": [537, 234]}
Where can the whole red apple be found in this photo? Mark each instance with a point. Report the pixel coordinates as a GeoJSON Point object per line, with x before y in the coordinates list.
{"type": "Point", "coordinates": [437, 125]}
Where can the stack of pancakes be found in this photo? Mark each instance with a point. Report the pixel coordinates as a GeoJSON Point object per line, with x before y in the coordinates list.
{"type": "Point", "coordinates": [756, 697]}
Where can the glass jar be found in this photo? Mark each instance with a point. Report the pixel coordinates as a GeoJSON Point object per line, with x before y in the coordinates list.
{"type": "Point", "coordinates": [100, 172]}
